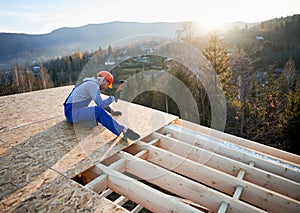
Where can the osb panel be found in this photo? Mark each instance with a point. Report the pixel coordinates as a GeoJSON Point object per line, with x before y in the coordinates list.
{"type": "Point", "coordinates": [23, 109]}
{"type": "Point", "coordinates": [13, 137]}
{"type": "Point", "coordinates": [51, 192]}
{"type": "Point", "coordinates": [40, 150]}
{"type": "Point", "coordinates": [25, 115]}
{"type": "Point", "coordinates": [142, 119]}
{"type": "Point", "coordinates": [17, 170]}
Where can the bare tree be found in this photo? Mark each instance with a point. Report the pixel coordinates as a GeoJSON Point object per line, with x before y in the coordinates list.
{"type": "Point", "coordinates": [289, 71]}
{"type": "Point", "coordinates": [45, 78]}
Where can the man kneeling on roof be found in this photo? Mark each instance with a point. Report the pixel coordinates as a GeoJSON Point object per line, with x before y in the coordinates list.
{"type": "Point", "coordinates": [76, 107]}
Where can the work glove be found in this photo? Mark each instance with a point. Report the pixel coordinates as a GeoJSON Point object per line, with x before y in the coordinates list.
{"type": "Point", "coordinates": [116, 113]}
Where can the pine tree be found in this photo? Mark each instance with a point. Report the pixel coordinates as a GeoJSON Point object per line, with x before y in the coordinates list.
{"type": "Point", "coordinates": [290, 121]}
{"type": "Point", "coordinates": [217, 54]}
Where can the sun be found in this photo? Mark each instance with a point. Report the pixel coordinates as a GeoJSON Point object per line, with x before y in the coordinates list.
{"type": "Point", "coordinates": [204, 26]}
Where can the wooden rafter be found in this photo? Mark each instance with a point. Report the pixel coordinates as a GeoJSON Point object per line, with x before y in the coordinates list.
{"type": "Point", "coordinates": [230, 166]}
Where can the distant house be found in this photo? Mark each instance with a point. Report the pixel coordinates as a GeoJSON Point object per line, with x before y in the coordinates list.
{"type": "Point", "coordinates": [36, 70]}
{"type": "Point", "coordinates": [147, 49]}
{"type": "Point", "coordinates": [229, 51]}
{"type": "Point", "coordinates": [5, 77]}
{"type": "Point", "coordinates": [262, 77]}
{"type": "Point", "coordinates": [123, 58]}
{"type": "Point", "coordinates": [277, 72]}
{"type": "Point", "coordinates": [141, 59]}
{"type": "Point", "coordinates": [260, 38]}
{"type": "Point", "coordinates": [108, 63]}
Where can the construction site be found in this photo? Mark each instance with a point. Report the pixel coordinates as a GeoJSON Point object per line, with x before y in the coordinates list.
{"type": "Point", "coordinates": [50, 165]}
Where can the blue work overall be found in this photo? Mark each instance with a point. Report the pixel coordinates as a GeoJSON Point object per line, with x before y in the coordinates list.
{"type": "Point", "coordinates": [80, 111]}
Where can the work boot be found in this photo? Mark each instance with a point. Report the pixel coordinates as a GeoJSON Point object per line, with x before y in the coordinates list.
{"type": "Point", "coordinates": [130, 134]}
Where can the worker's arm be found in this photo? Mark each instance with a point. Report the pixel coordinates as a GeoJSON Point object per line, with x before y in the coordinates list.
{"type": "Point", "coordinates": [94, 92]}
{"type": "Point", "coordinates": [103, 103]}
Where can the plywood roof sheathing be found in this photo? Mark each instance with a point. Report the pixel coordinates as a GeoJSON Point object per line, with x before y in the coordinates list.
{"type": "Point", "coordinates": [176, 166]}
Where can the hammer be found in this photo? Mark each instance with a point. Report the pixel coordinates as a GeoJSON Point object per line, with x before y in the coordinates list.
{"type": "Point", "coordinates": [119, 90]}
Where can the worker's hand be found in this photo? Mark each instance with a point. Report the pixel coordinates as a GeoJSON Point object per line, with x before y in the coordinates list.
{"type": "Point", "coordinates": [117, 95]}
{"type": "Point", "coordinates": [120, 89]}
{"type": "Point", "coordinates": [116, 113]}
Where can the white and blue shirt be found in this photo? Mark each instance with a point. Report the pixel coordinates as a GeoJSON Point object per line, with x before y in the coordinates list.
{"type": "Point", "coordinates": [88, 90]}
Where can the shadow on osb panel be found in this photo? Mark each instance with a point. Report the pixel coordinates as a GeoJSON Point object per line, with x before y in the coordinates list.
{"type": "Point", "coordinates": [58, 148]}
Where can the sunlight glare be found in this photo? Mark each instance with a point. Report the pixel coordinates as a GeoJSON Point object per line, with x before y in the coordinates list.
{"type": "Point", "coordinates": [209, 23]}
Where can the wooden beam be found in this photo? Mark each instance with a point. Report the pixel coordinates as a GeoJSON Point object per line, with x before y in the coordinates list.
{"type": "Point", "coordinates": [182, 186]}
{"type": "Point", "coordinates": [137, 209]}
{"type": "Point", "coordinates": [108, 206]}
{"type": "Point", "coordinates": [239, 189]}
{"type": "Point", "coordinates": [221, 181]}
{"type": "Point", "coordinates": [254, 175]}
{"type": "Point", "coordinates": [195, 205]}
{"type": "Point", "coordinates": [133, 149]}
{"type": "Point", "coordinates": [121, 200]}
{"type": "Point", "coordinates": [240, 141]}
{"type": "Point", "coordinates": [237, 192]}
{"type": "Point", "coordinates": [215, 145]}
{"type": "Point", "coordinates": [100, 183]}
{"type": "Point", "coordinates": [142, 194]}
{"type": "Point", "coordinates": [97, 185]}
{"type": "Point", "coordinates": [106, 193]}
{"type": "Point", "coordinates": [223, 208]}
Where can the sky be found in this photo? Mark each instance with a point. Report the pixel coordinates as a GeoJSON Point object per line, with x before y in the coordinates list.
{"type": "Point", "coordinates": [39, 17]}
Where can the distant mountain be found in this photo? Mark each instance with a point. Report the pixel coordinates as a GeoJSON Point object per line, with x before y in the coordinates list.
{"type": "Point", "coordinates": [22, 48]}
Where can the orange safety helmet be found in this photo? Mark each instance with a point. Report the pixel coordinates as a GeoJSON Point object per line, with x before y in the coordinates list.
{"type": "Point", "coordinates": [108, 76]}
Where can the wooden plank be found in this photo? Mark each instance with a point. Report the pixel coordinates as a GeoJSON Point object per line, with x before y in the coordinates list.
{"type": "Point", "coordinates": [215, 145]}
{"type": "Point", "coordinates": [182, 186]}
{"type": "Point", "coordinates": [142, 154]}
{"type": "Point", "coordinates": [195, 205]}
{"type": "Point", "coordinates": [100, 183]}
{"type": "Point", "coordinates": [240, 141]}
{"type": "Point", "coordinates": [121, 200]}
{"type": "Point", "coordinates": [239, 189]}
{"type": "Point", "coordinates": [238, 192]}
{"type": "Point", "coordinates": [223, 207]}
{"type": "Point", "coordinates": [118, 165]}
{"type": "Point", "coordinates": [255, 175]}
{"type": "Point", "coordinates": [137, 209]}
{"type": "Point", "coordinates": [109, 206]}
{"type": "Point", "coordinates": [222, 181]}
{"type": "Point", "coordinates": [142, 194]}
{"type": "Point", "coordinates": [106, 193]}
{"type": "Point", "coordinates": [241, 174]}
{"type": "Point", "coordinates": [97, 185]}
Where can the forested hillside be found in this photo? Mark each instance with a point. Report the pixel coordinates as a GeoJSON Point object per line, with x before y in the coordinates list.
{"type": "Point", "coordinates": [22, 48]}
{"type": "Point", "coordinates": [259, 71]}
{"type": "Point", "coordinates": [279, 38]}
